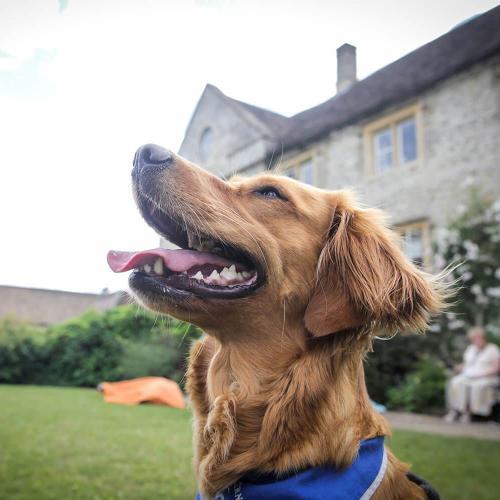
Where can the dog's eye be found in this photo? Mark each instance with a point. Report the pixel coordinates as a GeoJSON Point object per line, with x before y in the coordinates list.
{"type": "Point", "coordinates": [269, 192]}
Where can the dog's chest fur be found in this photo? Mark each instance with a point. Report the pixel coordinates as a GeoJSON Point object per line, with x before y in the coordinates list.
{"type": "Point", "coordinates": [290, 424]}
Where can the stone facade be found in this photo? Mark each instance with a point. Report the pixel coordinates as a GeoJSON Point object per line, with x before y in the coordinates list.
{"type": "Point", "coordinates": [459, 147]}
{"type": "Point", "coordinates": [239, 139]}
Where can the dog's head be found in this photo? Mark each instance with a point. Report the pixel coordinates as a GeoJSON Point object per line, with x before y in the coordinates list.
{"type": "Point", "coordinates": [266, 246]}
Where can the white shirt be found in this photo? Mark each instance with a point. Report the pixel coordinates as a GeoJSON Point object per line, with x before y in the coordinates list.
{"type": "Point", "coordinates": [481, 362]}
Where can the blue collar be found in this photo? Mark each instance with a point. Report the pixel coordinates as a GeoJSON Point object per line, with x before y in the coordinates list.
{"type": "Point", "coordinates": [359, 481]}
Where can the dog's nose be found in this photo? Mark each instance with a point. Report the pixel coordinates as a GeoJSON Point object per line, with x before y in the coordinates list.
{"type": "Point", "coordinates": [151, 158]}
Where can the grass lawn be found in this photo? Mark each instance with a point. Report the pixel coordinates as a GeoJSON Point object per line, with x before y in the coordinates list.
{"type": "Point", "coordinates": [67, 443]}
{"type": "Point", "coordinates": [64, 443]}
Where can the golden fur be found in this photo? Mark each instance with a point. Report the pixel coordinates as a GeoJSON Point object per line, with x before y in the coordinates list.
{"type": "Point", "coordinates": [277, 384]}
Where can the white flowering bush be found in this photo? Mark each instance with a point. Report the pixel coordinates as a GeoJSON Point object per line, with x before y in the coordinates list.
{"type": "Point", "coordinates": [471, 248]}
{"type": "Point", "coordinates": [409, 371]}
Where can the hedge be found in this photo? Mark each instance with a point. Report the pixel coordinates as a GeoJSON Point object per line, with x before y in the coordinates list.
{"type": "Point", "coordinates": [120, 343]}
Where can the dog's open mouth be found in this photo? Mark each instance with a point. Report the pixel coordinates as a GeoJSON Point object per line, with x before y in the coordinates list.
{"type": "Point", "coordinates": [203, 265]}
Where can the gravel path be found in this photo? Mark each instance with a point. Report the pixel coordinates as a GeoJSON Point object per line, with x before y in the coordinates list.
{"type": "Point", "coordinates": [436, 425]}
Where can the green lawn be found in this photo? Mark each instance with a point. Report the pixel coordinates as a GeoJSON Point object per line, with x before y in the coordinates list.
{"type": "Point", "coordinates": [67, 443]}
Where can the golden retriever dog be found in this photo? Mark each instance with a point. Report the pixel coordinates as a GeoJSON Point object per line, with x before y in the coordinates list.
{"type": "Point", "coordinates": [290, 284]}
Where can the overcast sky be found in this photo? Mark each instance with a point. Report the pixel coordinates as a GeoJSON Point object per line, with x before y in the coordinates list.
{"type": "Point", "coordinates": [83, 83]}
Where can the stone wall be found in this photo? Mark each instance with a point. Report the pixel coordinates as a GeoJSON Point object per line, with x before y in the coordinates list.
{"type": "Point", "coordinates": [47, 307]}
{"type": "Point", "coordinates": [461, 148]}
{"type": "Point", "coordinates": [237, 138]}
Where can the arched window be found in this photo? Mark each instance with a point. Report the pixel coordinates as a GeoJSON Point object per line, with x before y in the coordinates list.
{"type": "Point", "coordinates": [206, 141]}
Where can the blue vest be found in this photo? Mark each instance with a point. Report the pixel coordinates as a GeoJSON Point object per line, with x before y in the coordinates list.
{"type": "Point", "coordinates": [359, 481]}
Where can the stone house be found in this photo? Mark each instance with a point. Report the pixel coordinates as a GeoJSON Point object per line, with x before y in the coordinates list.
{"type": "Point", "coordinates": [410, 138]}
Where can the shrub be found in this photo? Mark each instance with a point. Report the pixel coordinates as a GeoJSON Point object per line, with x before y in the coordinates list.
{"type": "Point", "coordinates": [82, 353]}
{"type": "Point", "coordinates": [422, 390]}
{"type": "Point", "coordinates": [142, 358]}
{"type": "Point", "coordinates": [472, 244]}
{"type": "Point", "coordinates": [392, 360]}
{"type": "Point", "coordinates": [21, 351]}
{"type": "Point", "coordinates": [163, 353]}
{"type": "Point", "coordinates": [470, 249]}
{"type": "Point", "coordinates": [96, 346]}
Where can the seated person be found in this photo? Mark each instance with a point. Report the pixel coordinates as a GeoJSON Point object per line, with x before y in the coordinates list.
{"type": "Point", "coordinates": [472, 390]}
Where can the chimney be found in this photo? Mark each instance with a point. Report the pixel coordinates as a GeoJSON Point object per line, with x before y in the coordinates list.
{"type": "Point", "coordinates": [346, 67]}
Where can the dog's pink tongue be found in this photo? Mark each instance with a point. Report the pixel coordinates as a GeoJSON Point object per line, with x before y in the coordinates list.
{"type": "Point", "coordinates": [175, 260]}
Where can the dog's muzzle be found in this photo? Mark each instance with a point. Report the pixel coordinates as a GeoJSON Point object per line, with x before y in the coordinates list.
{"type": "Point", "coordinates": [151, 159]}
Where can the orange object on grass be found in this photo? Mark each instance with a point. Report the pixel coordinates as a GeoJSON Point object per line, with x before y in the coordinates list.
{"type": "Point", "coordinates": [156, 390]}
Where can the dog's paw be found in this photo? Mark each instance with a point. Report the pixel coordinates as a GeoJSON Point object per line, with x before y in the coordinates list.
{"type": "Point", "coordinates": [220, 430]}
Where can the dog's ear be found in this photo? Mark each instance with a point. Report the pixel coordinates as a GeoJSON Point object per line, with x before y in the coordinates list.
{"type": "Point", "coordinates": [363, 277]}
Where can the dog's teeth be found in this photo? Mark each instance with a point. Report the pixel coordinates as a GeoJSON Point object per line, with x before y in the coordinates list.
{"type": "Point", "coordinates": [198, 276]}
{"type": "Point", "coordinates": [197, 243]}
{"type": "Point", "coordinates": [207, 245]}
{"type": "Point", "coordinates": [158, 266]}
{"type": "Point", "coordinates": [225, 273]}
{"type": "Point", "coordinates": [184, 272]}
{"type": "Point", "coordinates": [193, 240]}
{"type": "Point", "coordinates": [245, 274]}
{"type": "Point", "coordinates": [190, 240]}
{"type": "Point", "coordinates": [229, 274]}
{"type": "Point", "coordinates": [147, 268]}
{"type": "Point", "coordinates": [214, 276]}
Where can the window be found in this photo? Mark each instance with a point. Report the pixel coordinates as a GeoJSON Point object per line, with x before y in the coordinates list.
{"type": "Point", "coordinates": [393, 141]}
{"type": "Point", "coordinates": [413, 241]}
{"type": "Point", "coordinates": [206, 141]}
{"type": "Point", "coordinates": [416, 242]}
{"type": "Point", "coordinates": [306, 172]}
{"type": "Point", "coordinates": [382, 143]}
{"type": "Point", "coordinates": [407, 141]}
{"type": "Point", "coordinates": [303, 172]}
